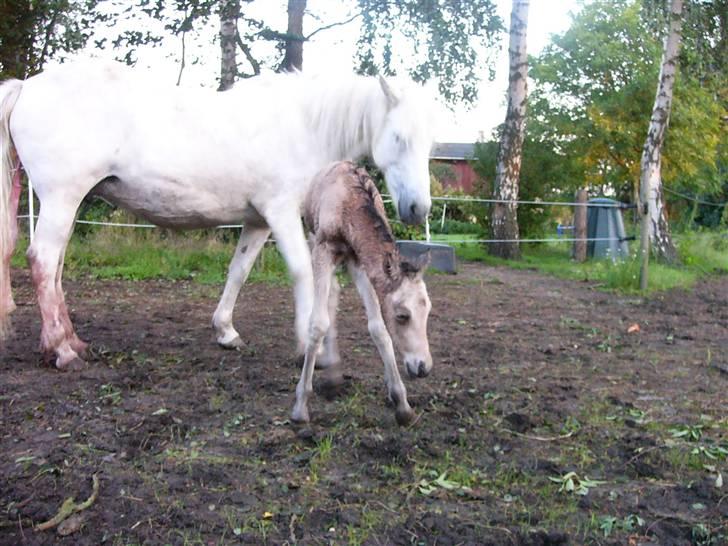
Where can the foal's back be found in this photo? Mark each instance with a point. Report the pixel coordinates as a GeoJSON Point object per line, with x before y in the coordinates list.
{"type": "Point", "coordinates": [344, 207]}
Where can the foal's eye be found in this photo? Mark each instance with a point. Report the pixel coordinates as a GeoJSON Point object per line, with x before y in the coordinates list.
{"type": "Point", "coordinates": [402, 318]}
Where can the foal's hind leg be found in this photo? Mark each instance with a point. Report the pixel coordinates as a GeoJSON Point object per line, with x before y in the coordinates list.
{"type": "Point", "coordinates": [251, 241]}
{"type": "Point", "coordinates": [46, 258]}
{"type": "Point", "coordinates": [323, 266]}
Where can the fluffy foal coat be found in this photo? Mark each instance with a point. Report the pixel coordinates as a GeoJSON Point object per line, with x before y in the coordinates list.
{"type": "Point", "coordinates": [345, 214]}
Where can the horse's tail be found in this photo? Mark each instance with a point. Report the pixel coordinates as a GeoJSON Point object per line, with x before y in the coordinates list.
{"type": "Point", "coordinates": [9, 92]}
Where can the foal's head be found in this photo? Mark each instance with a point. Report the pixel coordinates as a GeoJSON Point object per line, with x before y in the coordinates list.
{"type": "Point", "coordinates": [406, 309]}
{"type": "Point", "coordinates": [401, 149]}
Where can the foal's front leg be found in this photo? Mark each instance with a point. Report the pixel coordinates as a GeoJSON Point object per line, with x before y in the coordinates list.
{"type": "Point", "coordinates": [323, 268]}
{"type": "Point", "coordinates": [378, 331]}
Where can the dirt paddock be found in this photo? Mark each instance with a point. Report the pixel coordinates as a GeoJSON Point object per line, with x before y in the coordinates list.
{"type": "Point", "coordinates": [534, 378]}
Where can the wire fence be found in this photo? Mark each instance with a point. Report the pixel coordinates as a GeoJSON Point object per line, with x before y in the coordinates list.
{"type": "Point", "coordinates": [427, 236]}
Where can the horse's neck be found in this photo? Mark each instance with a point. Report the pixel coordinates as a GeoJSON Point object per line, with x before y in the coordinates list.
{"type": "Point", "coordinates": [346, 116]}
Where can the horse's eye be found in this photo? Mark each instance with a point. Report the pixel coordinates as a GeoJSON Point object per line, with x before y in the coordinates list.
{"type": "Point", "coordinates": [402, 318]}
{"type": "Point", "coordinates": [397, 138]}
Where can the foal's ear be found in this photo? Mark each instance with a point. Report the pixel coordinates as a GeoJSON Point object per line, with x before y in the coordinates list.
{"type": "Point", "coordinates": [392, 98]}
{"type": "Point", "coordinates": [415, 267]}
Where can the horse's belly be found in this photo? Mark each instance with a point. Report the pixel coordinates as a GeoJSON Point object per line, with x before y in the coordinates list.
{"type": "Point", "coordinates": [176, 205]}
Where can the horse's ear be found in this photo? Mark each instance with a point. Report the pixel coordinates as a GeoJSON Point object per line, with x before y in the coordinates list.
{"type": "Point", "coordinates": [392, 98]}
{"type": "Point", "coordinates": [416, 267]}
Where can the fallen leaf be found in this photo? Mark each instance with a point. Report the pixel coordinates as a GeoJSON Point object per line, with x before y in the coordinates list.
{"type": "Point", "coordinates": [633, 329]}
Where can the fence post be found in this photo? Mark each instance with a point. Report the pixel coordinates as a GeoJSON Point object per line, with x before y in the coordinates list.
{"type": "Point", "coordinates": [580, 216]}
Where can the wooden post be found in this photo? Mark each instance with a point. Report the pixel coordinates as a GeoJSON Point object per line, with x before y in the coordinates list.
{"type": "Point", "coordinates": [580, 216]}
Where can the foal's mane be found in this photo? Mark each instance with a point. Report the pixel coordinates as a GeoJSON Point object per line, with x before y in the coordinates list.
{"type": "Point", "coordinates": [365, 185]}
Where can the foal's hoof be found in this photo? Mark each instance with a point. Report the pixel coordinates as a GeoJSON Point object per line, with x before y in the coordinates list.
{"type": "Point", "coordinates": [76, 364]}
{"type": "Point", "coordinates": [406, 417]}
{"type": "Point", "coordinates": [235, 343]}
{"type": "Point", "coordinates": [299, 416]}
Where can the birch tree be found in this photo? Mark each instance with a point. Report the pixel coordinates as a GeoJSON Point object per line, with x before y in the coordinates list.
{"type": "Point", "coordinates": [504, 219]}
{"type": "Point", "coordinates": [652, 202]}
{"type": "Point", "coordinates": [229, 13]}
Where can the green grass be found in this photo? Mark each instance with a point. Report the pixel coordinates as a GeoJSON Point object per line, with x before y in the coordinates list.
{"type": "Point", "coordinates": [133, 254]}
{"type": "Point", "coordinates": [701, 253]}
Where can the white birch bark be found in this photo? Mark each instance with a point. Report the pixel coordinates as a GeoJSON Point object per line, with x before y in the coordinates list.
{"type": "Point", "coordinates": [229, 13]}
{"type": "Point", "coordinates": [651, 193]}
{"type": "Point", "coordinates": [504, 220]}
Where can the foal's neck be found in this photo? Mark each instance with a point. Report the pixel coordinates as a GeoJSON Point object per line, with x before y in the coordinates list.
{"type": "Point", "coordinates": [371, 239]}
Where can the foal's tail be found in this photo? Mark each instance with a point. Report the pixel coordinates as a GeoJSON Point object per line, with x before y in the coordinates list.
{"type": "Point", "coordinates": [9, 92]}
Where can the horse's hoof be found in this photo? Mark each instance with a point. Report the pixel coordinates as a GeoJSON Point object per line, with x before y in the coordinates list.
{"type": "Point", "coordinates": [406, 417]}
{"type": "Point", "coordinates": [300, 417]}
{"type": "Point", "coordinates": [80, 347]}
{"type": "Point", "coordinates": [235, 343]}
{"type": "Point", "coordinates": [76, 364]}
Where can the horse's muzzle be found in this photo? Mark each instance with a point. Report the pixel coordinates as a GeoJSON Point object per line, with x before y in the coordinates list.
{"type": "Point", "coordinates": [413, 214]}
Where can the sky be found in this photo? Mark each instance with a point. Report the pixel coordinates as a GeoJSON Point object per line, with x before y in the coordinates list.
{"type": "Point", "coordinates": [334, 50]}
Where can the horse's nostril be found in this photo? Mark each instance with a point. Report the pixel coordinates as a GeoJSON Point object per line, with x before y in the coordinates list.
{"type": "Point", "coordinates": [413, 210]}
{"type": "Point", "coordinates": [422, 370]}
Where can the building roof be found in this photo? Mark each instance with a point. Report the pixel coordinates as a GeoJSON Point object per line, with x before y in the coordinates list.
{"type": "Point", "coordinates": [453, 151]}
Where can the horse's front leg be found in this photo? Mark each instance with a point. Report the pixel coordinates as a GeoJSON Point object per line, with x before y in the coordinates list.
{"type": "Point", "coordinates": [285, 222]}
{"type": "Point", "coordinates": [378, 331]}
{"type": "Point", "coordinates": [252, 239]}
{"type": "Point", "coordinates": [323, 267]}
{"type": "Point", "coordinates": [45, 255]}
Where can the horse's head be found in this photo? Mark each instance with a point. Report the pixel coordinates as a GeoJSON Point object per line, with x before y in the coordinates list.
{"type": "Point", "coordinates": [406, 310]}
{"type": "Point", "coordinates": [401, 149]}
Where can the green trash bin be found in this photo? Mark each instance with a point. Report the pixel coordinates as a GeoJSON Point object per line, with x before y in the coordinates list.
{"type": "Point", "coordinates": [605, 222]}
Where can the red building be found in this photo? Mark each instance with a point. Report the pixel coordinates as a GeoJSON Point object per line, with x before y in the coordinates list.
{"type": "Point", "coordinates": [457, 172]}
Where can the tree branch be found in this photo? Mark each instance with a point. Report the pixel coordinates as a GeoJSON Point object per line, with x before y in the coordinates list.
{"type": "Point", "coordinates": [332, 25]}
{"type": "Point", "coordinates": [248, 55]}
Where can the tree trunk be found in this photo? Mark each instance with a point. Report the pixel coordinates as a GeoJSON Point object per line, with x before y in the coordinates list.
{"type": "Point", "coordinates": [504, 220]}
{"type": "Point", "coordinates": [293, 59]}
{"type": "Point", "coordinates": [651, 194]}
{"type": "Point", "coordinates": [229, 13]}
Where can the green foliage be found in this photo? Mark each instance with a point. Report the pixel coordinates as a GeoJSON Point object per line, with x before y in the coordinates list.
{"type": "Point", "coordinates": [33, 32]}
{"type": "Point", "coordinates": [453, 41]}
{"type": "Point", "coordinates": [594, 92]}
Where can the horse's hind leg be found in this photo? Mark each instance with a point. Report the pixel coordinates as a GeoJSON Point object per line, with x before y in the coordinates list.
{"type": "Point", "coordinates": [251, 241]}
{"type": "Point", "coordinates": [45, 254]}
{"type": "Point", "coordinates": [77, 345]}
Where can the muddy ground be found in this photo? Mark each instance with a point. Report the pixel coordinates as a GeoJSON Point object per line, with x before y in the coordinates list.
{"type": "Point", "coordinates": [534, 378]}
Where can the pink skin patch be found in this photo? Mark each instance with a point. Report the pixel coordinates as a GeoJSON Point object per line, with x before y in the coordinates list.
{"type": "Point", "coordinates": [57, 335]}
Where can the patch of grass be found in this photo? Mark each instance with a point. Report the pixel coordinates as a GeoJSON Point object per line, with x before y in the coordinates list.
{"type": "Point", "coordinates": [135, 254]}
{"type": "Point", "coordinates": [701, 253]}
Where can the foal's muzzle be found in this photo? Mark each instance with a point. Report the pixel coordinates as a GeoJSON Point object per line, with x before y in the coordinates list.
{"type": "Point", "coordinates": [416, 369]}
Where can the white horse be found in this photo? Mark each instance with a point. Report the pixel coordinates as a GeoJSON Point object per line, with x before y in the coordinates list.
{"type": "Point", "coordinates": [194, 158]}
